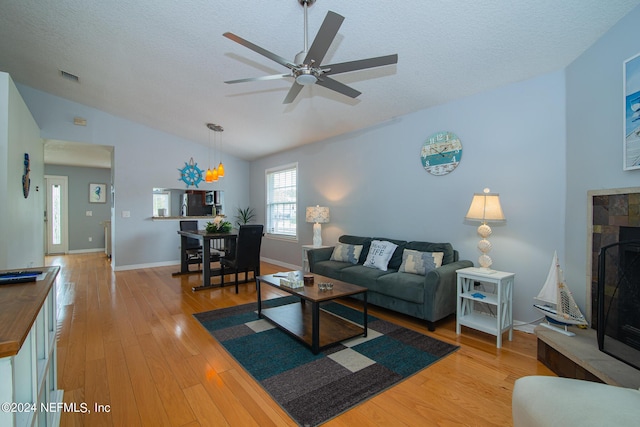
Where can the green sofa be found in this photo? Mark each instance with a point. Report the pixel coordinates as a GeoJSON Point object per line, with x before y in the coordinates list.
{"type": "Point", "coordinates": [430, 297]}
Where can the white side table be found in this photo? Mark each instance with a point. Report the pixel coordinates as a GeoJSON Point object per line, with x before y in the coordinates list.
{"type": "Point", "coordinates": [501, 299]}
{"type": "Point", "coordinates": [305, 257]}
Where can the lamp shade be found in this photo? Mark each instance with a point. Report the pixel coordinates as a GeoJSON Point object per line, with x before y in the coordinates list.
{"type": "Point", "coordinates": [485, 207]}
{"type": "Point", "coordinates": [317, 214]}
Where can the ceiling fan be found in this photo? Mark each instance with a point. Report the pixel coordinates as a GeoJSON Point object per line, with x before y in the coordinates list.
{"type": "Point", "coordinates": [306, 68]}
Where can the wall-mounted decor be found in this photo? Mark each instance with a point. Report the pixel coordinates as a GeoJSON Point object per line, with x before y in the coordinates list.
{"type": "Point", "coordinates": [441, 153]}
{"type": "Point", "coordinates": [631, 147]}
{"type": "Point", "coordinates": [191, 174]}
{"type": "Point", "coordinates": [26, 181]}
{"type": "Point", "coordinates": [97, 193]}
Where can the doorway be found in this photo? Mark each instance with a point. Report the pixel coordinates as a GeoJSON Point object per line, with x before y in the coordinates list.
{"type": "Point", "coordinates": [56, 216]}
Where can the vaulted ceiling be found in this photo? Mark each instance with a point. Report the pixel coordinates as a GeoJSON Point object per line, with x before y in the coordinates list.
{"type": "Point", "coordinates": [163, 63]}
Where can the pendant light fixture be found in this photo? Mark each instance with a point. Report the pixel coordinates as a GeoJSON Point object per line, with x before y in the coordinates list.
{"type": "Point", "coordinates": [208, 176]}
{"type": "Point", "coordinates": [220, 165]}
{"type": "Point", "coordinates": [212, 175]}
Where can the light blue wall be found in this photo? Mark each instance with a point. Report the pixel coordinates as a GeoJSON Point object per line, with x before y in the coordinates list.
{"type": "Point", "coordinates": [83, 227]}
{"type": "Point", "coordinates": [595, 137]}
{"type": "Point", "coordinates": [374, 183]}
{"type": "Point", "coordinates": [21, 219]}
{"type": "Point", "coordinates": [144, 158]}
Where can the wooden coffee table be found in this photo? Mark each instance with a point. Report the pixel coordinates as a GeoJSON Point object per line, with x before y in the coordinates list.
{"type": "Point", "coordinates": [308, 323]}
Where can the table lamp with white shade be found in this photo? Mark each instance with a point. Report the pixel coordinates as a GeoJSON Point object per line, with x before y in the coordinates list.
{"type": "Point", "coordinates": [485, 207]}
{"type": "Point", "coordinates": [318, 215]}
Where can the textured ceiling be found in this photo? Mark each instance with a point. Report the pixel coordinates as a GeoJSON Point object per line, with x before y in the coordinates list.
{"type": "Point", "coordinates": [162, 63]}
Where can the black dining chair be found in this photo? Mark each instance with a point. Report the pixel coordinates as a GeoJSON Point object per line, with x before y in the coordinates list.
{"type": "Point", "coordinates": [193, 250]}
{"type": "Point", "coordinates": [246, 255]}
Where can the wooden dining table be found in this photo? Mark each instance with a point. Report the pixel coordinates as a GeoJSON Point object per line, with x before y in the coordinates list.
{"type": "Point", "coordinates": [228, 245]}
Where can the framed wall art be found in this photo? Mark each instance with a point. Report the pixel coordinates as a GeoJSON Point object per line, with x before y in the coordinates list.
{"type": "Point", "coordinates": [631, 80]}
{"type": "Point", "coordinates": [97, 193]}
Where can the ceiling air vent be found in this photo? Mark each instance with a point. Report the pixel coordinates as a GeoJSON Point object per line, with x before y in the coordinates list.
{"type": "Point", "coordinates": [69, 76]}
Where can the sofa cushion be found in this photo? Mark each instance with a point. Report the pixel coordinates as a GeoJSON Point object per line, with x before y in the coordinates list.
{"type": "Point", "coordinates": [416, 262]}
{"type": "Point", "coordinates": [380, 252]}
{"type": "Point", "coordinates": [404, 286]}
{"type": "Point", "coordinates": [396, 259]}
{"type": "Point", "coordinates": [346, 253]}
{"type": "Point", "coordinates": [356, 240]}
{"type": "Point", "coordinates": [362, 276]}
{"type": "Point", "coordinates": [330, 268]}
{"type": "Point", "coordinates": [552, 401]}
{"type": "Point", "coordinates": [448, 256]}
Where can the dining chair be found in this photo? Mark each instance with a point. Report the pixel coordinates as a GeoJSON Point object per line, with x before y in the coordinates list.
{"type": "Point", "coordinates": [193, 249]}
{"type": "Point", "coordinates": [246, 255]}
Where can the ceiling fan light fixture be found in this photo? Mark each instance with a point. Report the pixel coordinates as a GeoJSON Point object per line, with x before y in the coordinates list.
{"type": "Point", "coordinates": [307, 68]}
{"type": "Point", "coordinates": [306, 79]}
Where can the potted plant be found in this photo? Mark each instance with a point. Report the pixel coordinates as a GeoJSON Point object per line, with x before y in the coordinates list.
{"type": "Point", "coordinates": [244, 216]}
{"type": "Point", "coordinates": [218, 225]}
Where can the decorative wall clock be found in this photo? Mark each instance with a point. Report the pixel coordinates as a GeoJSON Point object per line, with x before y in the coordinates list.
{"type": "Point", "coordinates": [26, 181]}
{"type": "Point", "coordinates": [191, 174]}
{"type": "Point", "coordinates": [441, 153]}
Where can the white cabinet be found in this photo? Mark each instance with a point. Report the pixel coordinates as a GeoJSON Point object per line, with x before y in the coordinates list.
{"type": "Point", "coordinates": [28, 372]}
{"type": "Point", "coordinates": [483, 309]}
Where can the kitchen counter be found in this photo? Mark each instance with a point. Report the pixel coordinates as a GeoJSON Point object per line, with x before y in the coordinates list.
{"type": "Point", "coordinates": [19, 307]}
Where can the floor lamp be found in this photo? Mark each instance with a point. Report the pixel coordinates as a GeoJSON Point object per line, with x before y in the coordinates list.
{"type": "Point", "coordinates": [485, 207]}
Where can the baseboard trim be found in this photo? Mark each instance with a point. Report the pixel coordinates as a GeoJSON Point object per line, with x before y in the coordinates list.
{"type": "Point", "coordinates": [85, 251]}
{"type": "Point", "coordinates": [177, 262]}
{"type": "Point", "coordinates": [281, 264]}
{"type": "Point", "coordinates": [149, 265]}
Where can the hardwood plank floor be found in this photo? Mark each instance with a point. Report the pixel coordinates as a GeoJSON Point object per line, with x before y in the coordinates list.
{"type": "Point", "coordinates": [127, 340]}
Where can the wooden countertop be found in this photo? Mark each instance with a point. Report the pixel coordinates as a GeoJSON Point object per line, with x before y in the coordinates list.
{"type": "Point", "coordinates": [19, 307]}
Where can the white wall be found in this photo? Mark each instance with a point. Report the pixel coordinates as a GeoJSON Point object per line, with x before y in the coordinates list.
{"type": "Point", "coordinates": [594, 137]}
{"type": "Point", "coordinates": [513, 142]}
{"type": "Point", "coordinates": [144, 158]}
{"type": "Point", "coordinates": [21, 219]}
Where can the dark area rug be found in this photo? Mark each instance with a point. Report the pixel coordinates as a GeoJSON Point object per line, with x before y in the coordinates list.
{"type": "Point", "coordinates": [312, 389]}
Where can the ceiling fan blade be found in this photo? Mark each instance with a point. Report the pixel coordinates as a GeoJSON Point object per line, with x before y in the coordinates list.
{"type": "Point", "coordinates": [324, 38]}
{"type": "Point", "coordinates": [293, 92]}
{"type": "Point", "coordinates": [254, 79]}
{"type": "Point", "coordinates": [258, 49]}
{"type": "Point", "coordinates": [335, 85]}
{"type": "Point", "coordinates": [345, 67]}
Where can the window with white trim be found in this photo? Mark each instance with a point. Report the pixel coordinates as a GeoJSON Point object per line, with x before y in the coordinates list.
{"type": "Point", "coordinates": [282, 195]}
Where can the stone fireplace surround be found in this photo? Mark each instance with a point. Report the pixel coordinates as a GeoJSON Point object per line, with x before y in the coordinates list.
{"type": "Point", "coordinates": [579, 356]}
{"type": "Point", "coordinates": [608, 211]}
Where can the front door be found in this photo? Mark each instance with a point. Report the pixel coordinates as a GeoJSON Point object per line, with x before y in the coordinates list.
{"type": "Point", "coordinates": [56, 215]}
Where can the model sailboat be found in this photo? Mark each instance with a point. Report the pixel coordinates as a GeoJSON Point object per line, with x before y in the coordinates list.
{"type": "Point", "coordinates": [557, 302]}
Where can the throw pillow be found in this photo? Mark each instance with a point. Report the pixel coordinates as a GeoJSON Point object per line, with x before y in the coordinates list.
{"type": "Point", "coordinates": [421, 263]}
{"type": "Point", "coordinates": [346, 253]}
{"type": "Point", "coordinates": [380, 252]}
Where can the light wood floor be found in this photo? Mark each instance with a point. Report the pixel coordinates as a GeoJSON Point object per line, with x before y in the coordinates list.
{"type": "Point", "coordinates": [128, 340]}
